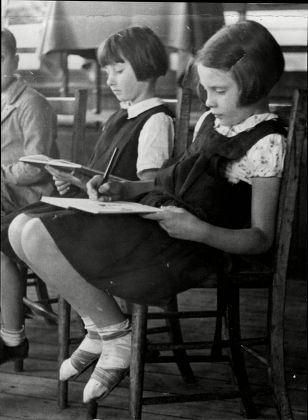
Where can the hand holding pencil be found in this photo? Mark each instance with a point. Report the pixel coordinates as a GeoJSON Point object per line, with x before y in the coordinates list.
{"type": "Point", "coordinates": [94, 185]}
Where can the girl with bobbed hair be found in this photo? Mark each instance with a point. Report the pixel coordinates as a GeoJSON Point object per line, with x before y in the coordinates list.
{"type": "Point", "coordinates": [251, 54]}
{"type": "Point", "coordinates": [219, 197]}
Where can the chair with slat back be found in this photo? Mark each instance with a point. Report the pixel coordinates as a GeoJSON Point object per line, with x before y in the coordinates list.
{"type": "Point", "coordinates": [228, 285]}
{"type": "Point", "coordinates": [71, 112]}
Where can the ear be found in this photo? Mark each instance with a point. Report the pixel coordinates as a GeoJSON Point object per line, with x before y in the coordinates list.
{"type": "Point", "coordinates": [16, 59]}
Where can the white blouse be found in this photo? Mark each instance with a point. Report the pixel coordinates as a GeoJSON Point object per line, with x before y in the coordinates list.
{"type": "Point", "coordinates": [264, 159]}
{"type": "Point", "coordinates": [156, 137]}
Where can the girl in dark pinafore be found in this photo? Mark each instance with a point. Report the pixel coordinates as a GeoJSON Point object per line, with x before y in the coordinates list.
{"type": "Point", "coordinates": [142, 130]}
{"type": "Point", "coordinates": [221, 195]}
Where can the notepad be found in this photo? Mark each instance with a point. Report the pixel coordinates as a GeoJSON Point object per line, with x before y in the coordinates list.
{"type": "Point", "coordinates": [63, 165]}
{"type": "Point", "coordinates": [97, 207]}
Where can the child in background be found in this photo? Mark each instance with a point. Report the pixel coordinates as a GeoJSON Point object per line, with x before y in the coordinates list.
{"type": "Point", "coordinates": [221, 195]}
{"type": "Point", "coordinates": [28, 126]}
{"type": "Point", "coordinates": [142, 130]}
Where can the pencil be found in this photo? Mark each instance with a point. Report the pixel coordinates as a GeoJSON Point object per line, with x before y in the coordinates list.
{"type": "Point", "coordinates": [109, 166]}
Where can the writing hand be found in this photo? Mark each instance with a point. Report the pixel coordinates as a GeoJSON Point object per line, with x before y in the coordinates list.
{"type": "Point", "coordinates": [109, 191]}
{"type": "Point", "coordinates": [177, 222]}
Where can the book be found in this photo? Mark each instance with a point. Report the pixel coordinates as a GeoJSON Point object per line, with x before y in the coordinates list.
{"type": "Point", "coordinates": [98, 207]}
{"type": "Point", "coordinates": [63, 165]}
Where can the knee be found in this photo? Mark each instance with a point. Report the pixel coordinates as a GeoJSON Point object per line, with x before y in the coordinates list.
{"type": "Point", "coordinates": [15, 231]}
{"type": "Point", "coordinates": [32, 239]}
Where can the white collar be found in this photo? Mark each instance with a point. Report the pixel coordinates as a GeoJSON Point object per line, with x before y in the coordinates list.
{"type": "Point", "coordinates": [137, 109]}
{"type": "Point", "coordinates": [249, 123]}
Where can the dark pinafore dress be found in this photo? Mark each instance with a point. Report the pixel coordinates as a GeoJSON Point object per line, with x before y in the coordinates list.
{"type": "Point", "coordinates": [134, 258]}
{"type": "Point", "coordinates": [118, 132]}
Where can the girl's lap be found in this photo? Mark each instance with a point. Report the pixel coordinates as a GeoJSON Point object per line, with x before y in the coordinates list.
{"type": "Point", "coordinates": [131, 257]}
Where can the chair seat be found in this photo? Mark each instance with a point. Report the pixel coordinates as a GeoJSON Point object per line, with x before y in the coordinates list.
{"type": "Point", "coordinates": [241, 271]}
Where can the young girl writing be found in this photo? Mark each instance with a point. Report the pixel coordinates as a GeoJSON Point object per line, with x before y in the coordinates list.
{"type": "Point", "coordinates": [142, 131]}
{"type": "Point", "coordinates": [221, 195]}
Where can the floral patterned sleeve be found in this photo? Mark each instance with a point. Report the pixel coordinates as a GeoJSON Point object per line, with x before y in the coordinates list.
{"type": "Point", "coordinates": [264, 159]}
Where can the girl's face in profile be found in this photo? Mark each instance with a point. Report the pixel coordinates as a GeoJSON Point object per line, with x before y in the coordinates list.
{"type": "Point", "coordinates": [223, 96]}
{"type": "Point", "coordinates": [122, 81]}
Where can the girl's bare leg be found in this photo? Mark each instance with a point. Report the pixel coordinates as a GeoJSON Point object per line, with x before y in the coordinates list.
{"type": "Point", "coordinates": [48, 262]}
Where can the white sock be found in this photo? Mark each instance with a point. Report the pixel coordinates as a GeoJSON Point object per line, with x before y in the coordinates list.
{"type": "Point", "coordinates": [13, 338]}
{"type": "Point", "coordinates": [90, 348]}
{"type": "Point", "coordinates": [113, 362]}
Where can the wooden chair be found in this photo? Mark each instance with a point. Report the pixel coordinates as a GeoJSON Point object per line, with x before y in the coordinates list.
{"type": "Point", "coordinates": [228, 285]}
{"type": "Point", "coordinates": [72, 112]}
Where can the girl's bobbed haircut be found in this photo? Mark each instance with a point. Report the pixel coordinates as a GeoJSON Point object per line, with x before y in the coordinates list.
{"type": "Point", "coordinates": [8, 41]}
{"type": "Point", "coordinates": [141, 47]}
{"type": "Point", "coordinates": [250, 53]}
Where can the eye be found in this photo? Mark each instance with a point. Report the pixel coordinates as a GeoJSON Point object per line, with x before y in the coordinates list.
{"type": "Point", "coordinates": [220, 91]}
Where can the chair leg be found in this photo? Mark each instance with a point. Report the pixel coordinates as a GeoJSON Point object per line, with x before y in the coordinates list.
{"type": "Point", "coordinates": [63, 337]}
{"type": "Point", "coordinates": [176, 337]}
{"type": "Point", "coordinates": [216, 352]}
{"type": "Point", "coordinates": [43, 297]}
{"type": "Point", "coordinates": [237, 356]}
{"type": "Point", "coordinates": [276, 357]}
{"type": "Point", "coordinates": [19, 364]}
{"type": "Point", "coordinates": [92, 407]}
{"type": "Point", "coordinates": [139, 325]}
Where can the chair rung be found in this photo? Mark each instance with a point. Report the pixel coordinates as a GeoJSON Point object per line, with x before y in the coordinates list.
{"type": "Point", "coordinates": [256, 355]}
{"type": "Point", "coordinates": [204, 396]}
{"type": "Point", "coordinates": [44, 301]}
{"type": "Point", "coordinates": [157, 330]}
{"type": "Point", "coordinates": [188, 346]}
{"type": "Point", "coordinates": [40, 310]}
{"type": "Point", "coordinates": [31, 283]}
{"type": "Point", "coordinates": [183, 314]}
{"type": "Point", "coordinates": [76, 340]}
{"type": "Point", "coordinates": [207, 344]}
{"type": "Point", "coordinates": [193, 358]}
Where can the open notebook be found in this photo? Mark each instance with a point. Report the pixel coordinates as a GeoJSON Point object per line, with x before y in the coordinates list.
{"type": "Point", "coordinates": [97, 207]}
{"type": "Point", "coordinates": [62, 165]}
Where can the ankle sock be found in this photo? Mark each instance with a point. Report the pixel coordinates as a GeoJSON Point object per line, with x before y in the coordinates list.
{"type": "Point", "coordinates": [113, 362]}
{"type": "Point", "coordinates": [88, 351]}
{"type": "Point", "coordinates": [12, 338]}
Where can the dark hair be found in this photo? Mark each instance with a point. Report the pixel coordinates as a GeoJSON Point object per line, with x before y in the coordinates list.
{"type": "Point", "coordinates": [8, 40]}
{"type": "Point", "coordinates": [250, 53]}
{"type": "Point", "coordinates": [141, 47]}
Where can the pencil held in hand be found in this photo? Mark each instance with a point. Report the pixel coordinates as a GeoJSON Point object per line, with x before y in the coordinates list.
{"type": "Point", "coordinates": [110, 165]}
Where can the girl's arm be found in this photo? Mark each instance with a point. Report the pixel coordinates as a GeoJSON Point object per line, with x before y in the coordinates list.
{"type": "Point", "coordinates": [63, 180]}
{"type": "Point", "coordinates": [257, 239]}
{"type": "Point", "coordinates": [117, 190]}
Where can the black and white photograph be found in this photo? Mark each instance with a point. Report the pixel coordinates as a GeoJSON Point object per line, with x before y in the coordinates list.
{"type": "Point", "coordinates": [153, 210]}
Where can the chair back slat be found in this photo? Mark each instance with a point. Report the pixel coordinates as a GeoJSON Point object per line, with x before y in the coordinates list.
{"type": "Point", "coordinates": [297, 135]}
{"type": "Point", "coordinates": [72, 111]}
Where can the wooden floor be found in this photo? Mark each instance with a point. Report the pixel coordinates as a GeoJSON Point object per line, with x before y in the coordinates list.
{"type": "Point", "coordinates": [32, 394]}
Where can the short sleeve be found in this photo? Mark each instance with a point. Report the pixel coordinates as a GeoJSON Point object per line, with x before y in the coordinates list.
{"type": "Point", "coordinates": [156, 142]}
{"type": "Point", "coordinates": [266, 157]}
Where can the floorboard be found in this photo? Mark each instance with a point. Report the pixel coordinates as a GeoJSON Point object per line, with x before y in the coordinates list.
{"type": "Point", "coordinates": [32, 394]}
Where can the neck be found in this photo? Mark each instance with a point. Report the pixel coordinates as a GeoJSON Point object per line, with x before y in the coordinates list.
{"type": "Point", "coordinates": [147, 93]}
{"type": "Point", "coordinates": [260, 107]}
{"type": "Point", "coordinates": [8, 83]}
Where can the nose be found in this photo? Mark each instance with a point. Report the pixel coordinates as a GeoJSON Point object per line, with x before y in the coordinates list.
{"type": "Point", "coordinates": [110, 79]}
{"type": "Point", "coordinates": [210, 100]}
